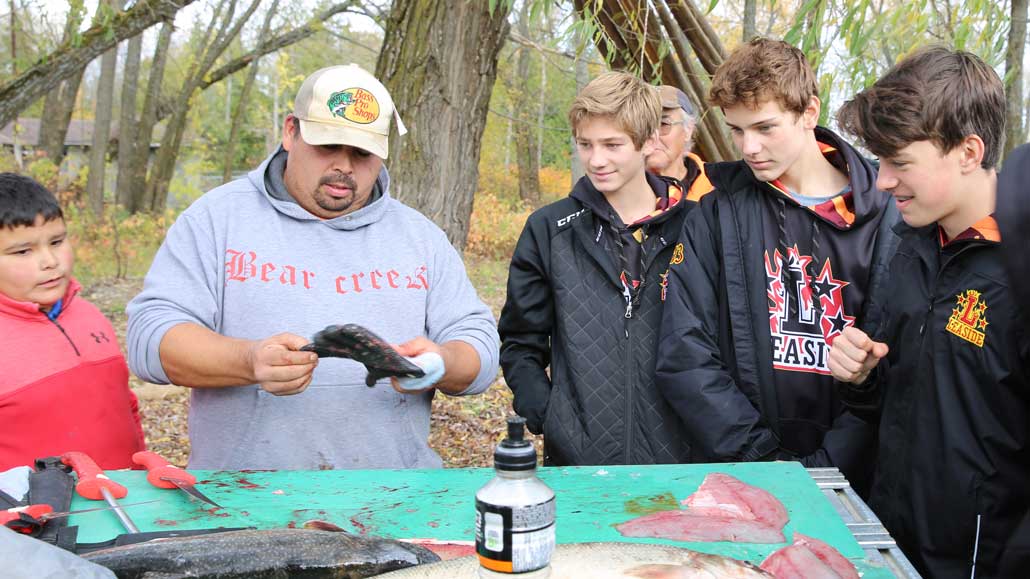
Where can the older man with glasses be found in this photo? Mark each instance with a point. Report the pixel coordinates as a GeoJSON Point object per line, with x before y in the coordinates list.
{"type": "Point", "coordinates": [672, 158]}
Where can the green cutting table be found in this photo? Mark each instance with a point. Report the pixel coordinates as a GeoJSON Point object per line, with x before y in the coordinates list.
{"type": "Point", "coordinates": [439, 504]}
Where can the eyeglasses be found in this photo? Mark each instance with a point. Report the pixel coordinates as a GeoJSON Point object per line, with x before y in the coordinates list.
{"type": "Point", "coordinates": [666, 126]}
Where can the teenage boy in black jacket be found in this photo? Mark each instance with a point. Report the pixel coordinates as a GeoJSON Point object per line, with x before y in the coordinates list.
{"type": "Point", "coordinates": [585, 290]}
{"type": "Point", "coordinates": [790, 249]}
{"type": "Point", "coordinates": [950, 385]}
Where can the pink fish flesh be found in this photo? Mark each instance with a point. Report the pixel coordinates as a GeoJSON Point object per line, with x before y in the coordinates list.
{"type": "Point", "coordinates": [722, 495]}
{"type": "Point", "coordinates": [446, 550]}
{"type": "Point", "coordinates": [722, 509]}
{"type": "Point", "coordinates": [686, 526]}
{"type": "Point", "coordinates": [809, 558]}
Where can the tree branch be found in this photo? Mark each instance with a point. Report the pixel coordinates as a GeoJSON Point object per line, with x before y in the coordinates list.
{"type": "Point", "coordinates": [271, 45]}
{"type": "Point", "coordinates": [68, 59]}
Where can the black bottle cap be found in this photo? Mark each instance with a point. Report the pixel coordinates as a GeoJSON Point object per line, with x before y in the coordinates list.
{"type": "Point", "coordinates": [514, 452]}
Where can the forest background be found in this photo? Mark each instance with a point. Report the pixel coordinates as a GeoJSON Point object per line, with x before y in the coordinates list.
{"type": "Point", "coordinates": [132, 110]}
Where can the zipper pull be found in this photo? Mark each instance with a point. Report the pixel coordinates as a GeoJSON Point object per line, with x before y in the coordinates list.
{"type": "Point", "coordinates": [629, 310]}
{"type": "Point", "coordinates": [929, 316]}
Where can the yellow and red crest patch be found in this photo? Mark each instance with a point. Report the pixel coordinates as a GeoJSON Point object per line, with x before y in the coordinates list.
{"type": "Point", "coordinates": [677, 254]}
{"type": "Point", "coordinates": [969, 318]}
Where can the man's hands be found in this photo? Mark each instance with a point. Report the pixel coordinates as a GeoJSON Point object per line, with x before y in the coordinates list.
{"type": "Point", "coordinates": [417, 347]}
{"type": "Point", "coordinates": [460, 364]}
{"type": "Point", "coordinates": [277, 365]}
{"type": "Point", "coordinates": [854, 355]}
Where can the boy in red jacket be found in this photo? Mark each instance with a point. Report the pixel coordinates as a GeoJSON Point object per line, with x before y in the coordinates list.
{"type": "Point", "coordinates": [64, 384]}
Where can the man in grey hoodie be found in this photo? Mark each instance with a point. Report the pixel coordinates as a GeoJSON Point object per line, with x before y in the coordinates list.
{"type": "Point", "coordinates": [311, 237]}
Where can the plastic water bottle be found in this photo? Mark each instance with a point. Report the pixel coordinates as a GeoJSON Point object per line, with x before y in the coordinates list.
{"type": "Point", "coordinates": [515, 512]}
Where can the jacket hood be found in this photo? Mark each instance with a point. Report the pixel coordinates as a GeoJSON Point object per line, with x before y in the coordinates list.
{"type": "Point", "coordinates": [367, 215]}
{"type": "Point", "coordinates": [868, 201]}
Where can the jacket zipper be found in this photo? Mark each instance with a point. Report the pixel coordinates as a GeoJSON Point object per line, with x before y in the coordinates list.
{"type": "Point", "coordinates": [976, 547]}
{"type": "Point", "coordinates": [66, 336]}
{"type": "Point", "coordinates": [936, 283]}
{"type": "Point", "coordinates": [630, 379]}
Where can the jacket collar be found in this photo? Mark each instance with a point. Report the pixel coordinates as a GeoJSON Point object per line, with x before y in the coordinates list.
{"type": "Point", "coordinates": [30, 310]}
{"type": "Point", "coordinates": [736, 177]}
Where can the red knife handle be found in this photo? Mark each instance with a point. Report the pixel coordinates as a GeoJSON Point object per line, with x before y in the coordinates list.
{"type": "Point", "coordinates": [157, 468]}
{"type": "Point", "coordinates": [91, 478]}
{"type": "Point", "coordinates": [33, 511]}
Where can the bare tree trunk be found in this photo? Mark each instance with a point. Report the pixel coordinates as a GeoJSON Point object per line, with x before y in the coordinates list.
{"type": "Point", "coordinates": [127, 127]}
{"type": "Point", "coordinates": [276, 123]}
{"type": "Point", "coordinates": [102, 127]}
{"type": "Point", "coordinates": [439, 61]}
{"type": "Point", "coordinates": [750, 29]}
{"type": "Point", "coordinates": [507, 145]}
{"type": "Point", "coordinates": [241, 106]}
{"type": "Point", "coordinates": [1014, 135]}
{"type": "Point", "coordinates": [15, 129]}
{"type": "Point", "coordinates": [148, 117]}
{"type": "Point", "coordinates": [582, 79]}
{"type": "Point", "coordinates": [540, 112]}
{"type": "Point", "coordinates": [69, 59]}
{"type": "Point", "coordinates": [207, 52]}
{"type": "Point", "coordinates": [525, 143]}
{"type": "Point", "coordinates": [59, 103]}
{"type": "Point", "coordinates": [57, 114]}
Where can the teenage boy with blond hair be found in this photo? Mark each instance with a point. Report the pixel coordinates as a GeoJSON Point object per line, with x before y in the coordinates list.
{"type": "Point", "coordinates": [946, 373]}
{"type": "Point", "coordinates": [585, 291]}
{"type": "Point", "coordinates": [786, 252]}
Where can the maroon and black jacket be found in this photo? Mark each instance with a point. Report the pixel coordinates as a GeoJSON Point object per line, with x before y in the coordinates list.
{"type": "Point", "coordinates": [952, 397]}
{"type": "Point", "coordinates": [717, 360]}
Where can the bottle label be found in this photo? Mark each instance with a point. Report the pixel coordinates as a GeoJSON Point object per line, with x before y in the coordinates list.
{"type": "Point", "coordinates": [515, 540]}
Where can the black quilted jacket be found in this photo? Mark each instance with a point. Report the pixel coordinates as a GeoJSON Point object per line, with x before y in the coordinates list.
{"type": "Point", "coordinates": [565, 312]}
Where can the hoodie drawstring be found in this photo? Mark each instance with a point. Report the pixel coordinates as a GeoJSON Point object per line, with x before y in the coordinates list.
{"type": "Point", "coordinates": [789, 278]}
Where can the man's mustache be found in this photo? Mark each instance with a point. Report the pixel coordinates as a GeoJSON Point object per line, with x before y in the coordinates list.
{"type": "Point", "coordinates": [345, 180]}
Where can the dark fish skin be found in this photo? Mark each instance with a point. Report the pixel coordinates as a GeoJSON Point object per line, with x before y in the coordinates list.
{"type": "Point", "coordinates": [359, 343]}
{"type": "Point", "coordinates": [261, 554]}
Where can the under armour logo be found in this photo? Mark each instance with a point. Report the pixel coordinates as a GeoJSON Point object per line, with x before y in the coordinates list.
{"type": "Point", "coordinates": [101, 336]}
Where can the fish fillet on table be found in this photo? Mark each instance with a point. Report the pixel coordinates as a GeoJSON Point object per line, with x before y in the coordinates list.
{"type": "Point", "coordinates": [722, 509]}
{"type": "Point", "coordinates": [809, 558]}
{"type": "Point", "coordinates": [607, 561]}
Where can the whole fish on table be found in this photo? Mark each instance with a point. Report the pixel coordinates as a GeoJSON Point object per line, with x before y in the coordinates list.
{"type": "Point", "coordinates": [261, 554]}
{"type": "Point", "coordinates": [607, 561]}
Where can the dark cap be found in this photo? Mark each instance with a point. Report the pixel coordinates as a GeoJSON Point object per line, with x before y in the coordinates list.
{"type": "Point", "coordinates": [674, 98]}
{"type": "Point", "coordinates": [515, 452]}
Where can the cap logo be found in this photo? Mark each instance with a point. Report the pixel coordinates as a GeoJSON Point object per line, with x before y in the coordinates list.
{"type": "Point", "coordinates": [354, 104]}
